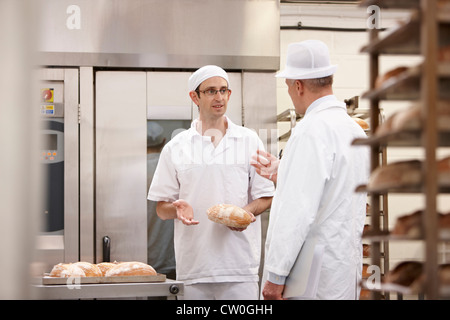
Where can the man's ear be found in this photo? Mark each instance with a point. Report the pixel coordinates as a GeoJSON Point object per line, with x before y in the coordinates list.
{"type": "Point", "coordinates": [194, 97]}
{"type": "Point", "coordinates": [299, 86]}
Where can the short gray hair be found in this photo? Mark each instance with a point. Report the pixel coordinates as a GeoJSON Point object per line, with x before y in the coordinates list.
{"type": "Point", "coordinates": [315, 85]}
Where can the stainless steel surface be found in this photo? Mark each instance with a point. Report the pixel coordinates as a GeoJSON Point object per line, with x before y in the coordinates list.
{"type": "Point", "coordinates": [168, 96]}
{"type": "Point", "coordinates": [169, 288]}
{"type": "Point", "coordinates": [236, 34]}
{"type": "Point", "coordinates": [71, 174]}
{"type": "Point", "coordinates": [87, 162]}
{"type": "Point", "coordinates": [120, 165]}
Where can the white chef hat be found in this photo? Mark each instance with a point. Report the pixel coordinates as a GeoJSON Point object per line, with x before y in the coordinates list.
{"type": "Point", "coordinates": [308, 59]}
{"type": "Point", "coordinates": [154, 134]}
{"type": "Point", "coordinates": [204, 73]}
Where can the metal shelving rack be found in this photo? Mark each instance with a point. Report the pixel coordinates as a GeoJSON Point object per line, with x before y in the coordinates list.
{"type": "Point", "coordinates": [427, 29]}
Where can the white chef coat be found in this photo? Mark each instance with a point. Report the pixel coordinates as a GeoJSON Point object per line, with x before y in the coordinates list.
{"type": "Point", "coordinates": [191, 168]}
{"type": "Point", "coordinates": [315, 199]}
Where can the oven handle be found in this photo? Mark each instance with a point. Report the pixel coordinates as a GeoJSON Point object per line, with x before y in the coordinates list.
{"type": "Point", "coordinates": [106, 249]}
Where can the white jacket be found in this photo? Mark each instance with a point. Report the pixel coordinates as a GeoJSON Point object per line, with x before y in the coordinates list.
{"type": "Point", "coordinates": [316, 195]}
{"type": "Point", "coordinates": [191, 168]}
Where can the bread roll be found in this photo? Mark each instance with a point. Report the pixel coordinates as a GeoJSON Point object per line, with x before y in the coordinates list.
{"type": "Point", "coordinates": [397, 174]}
{"type": "Point", "coordinates": [105, 266]}
{"type": "Point", "coordinates": [131, 268]}
{"type": "Point", "coordinates": [229, 215]}
{"type": "Point", "coordinates": [382, 79]}
{"type": "Point", "coordinates": [66, 270]}
{"type": "Point", "coordinates": [90, 270]}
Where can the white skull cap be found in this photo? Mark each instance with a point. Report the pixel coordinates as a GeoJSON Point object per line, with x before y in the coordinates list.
{"type": "Point", "coordinates": [308, 59]}
{"type": "Point", "coordinates": [204, 73]}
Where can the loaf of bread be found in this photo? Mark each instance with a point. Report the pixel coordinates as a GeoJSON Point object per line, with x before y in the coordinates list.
{"type": "Point", "coordinates": [366, 250]}
{"type": "Point", "coordinates": [398, 174]}
{"type": "Point", "coordinates": [229, 215]}
{"type": "Point", "coordinates": [363, 124]}
{"type": "Point", "coordinates": [105, 266]}
{"type": "Point", "coordinates": [382, 79]}
{"type": "Point", "coordinates": [66, 270]}
{"type": "Point", "coordinates": [411, 224]}
{"type": "Point", "coordinates": [90, 269]}
{"type": "Point", "coordinates": [443, 169]}
{"type": "Point", "coordinates": [405, 273]}
{"type": "Point", "coordinates": [411, 119]}
{"type": "Point", "coordinates": [103, 269]}
{"type": "Point", "coordinates": [444, 274]}
{"type": "Point", "coordinates": [131, 268]}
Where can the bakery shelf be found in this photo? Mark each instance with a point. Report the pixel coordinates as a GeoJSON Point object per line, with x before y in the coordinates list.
{"type": "Point", "coordinates": [405, 38]}
{"type": "Point", "coordinates": [426, 33]}
{"type": "Point", "coordinates": [401, 189]}
{"type": "Point", "coordinates": [444, 235]}
{"type": "Point", "coordinates": [391, 4]}
{"type": "Point", "coordinates": [402, 138]}
{"type": "Point", "coordinates": [406, 86]}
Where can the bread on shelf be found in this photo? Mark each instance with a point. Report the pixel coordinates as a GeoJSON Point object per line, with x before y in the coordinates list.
{"type": "Point", "coordinates": [103, 269]}
{"type": "Point", "coordinates": [131, 268]}
{"type": "Point", "coordinates": [406, 174]}
{"type": "Point", "coordinates": [387, 76]}
{"type": "Point", "coordinates": [66, 270]}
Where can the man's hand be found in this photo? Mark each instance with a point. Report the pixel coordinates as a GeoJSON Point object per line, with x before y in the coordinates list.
{"type": "Point", "coordinates": [273, 291]}
{"type": "Point", "coordinates": [242, 229]}
{"type": "Point", "coordinates": [185, 213]}
{"type": "Point", "coordinates": [266, 165]}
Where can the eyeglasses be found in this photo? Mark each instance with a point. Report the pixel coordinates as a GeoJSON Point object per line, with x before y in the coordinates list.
{"type": "Point", "coordinates": [213, 92]}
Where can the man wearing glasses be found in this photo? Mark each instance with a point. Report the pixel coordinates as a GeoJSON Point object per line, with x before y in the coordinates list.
{"type": "Point", "coordinates": [206, 165]}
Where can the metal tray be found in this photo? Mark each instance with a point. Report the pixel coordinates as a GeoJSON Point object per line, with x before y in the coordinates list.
{"type": "Point", "coordinates": [47, 280]}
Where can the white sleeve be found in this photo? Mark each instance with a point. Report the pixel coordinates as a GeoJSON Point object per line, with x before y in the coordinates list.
{"type": "Point", "coordinates": [301, 180]}
{"type": "Point", "coordinates": [165, 185]}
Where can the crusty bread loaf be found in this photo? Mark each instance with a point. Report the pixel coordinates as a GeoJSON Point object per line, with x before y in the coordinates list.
{"type": "Point", "coordinates": [363, 124]}
{"type": "Point", "coordinates": [381, 79]}
{"type": "Point", "coordinates": [131, 268]}
{"type": "Point", "coordinates": [90, 269]}
{"type": "Point", "coordinates": [409, 224]}
{"type": "Point", "coordinates": [105, 266]}
{"type": "Point", "coordinates": [444, 53]}
{"type": "Point", "coordinates": [443, 169]}
{"type": "Point", "coordinates": [405, 273]}
{"type": "Point", "coordinates": [411, 119]}
{"type": "Point", "coordinates": [229, 215]}
{"type": "Point", "coordinates": [66, 270]}
{"type": "Point", "coordinates": [398, 174]}
{"type": "Point", "coordinates": [366, 250]}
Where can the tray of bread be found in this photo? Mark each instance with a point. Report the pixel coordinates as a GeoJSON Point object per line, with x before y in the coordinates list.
{"type": "Point", "coordinates": [105, 272]}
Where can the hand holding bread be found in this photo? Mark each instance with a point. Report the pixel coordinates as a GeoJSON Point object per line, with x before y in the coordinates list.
{"type": "Point", "coordinates": [232, 216]}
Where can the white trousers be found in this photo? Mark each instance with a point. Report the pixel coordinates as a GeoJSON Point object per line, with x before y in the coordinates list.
{"type": "Point", "coordinates": [221, 291]}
